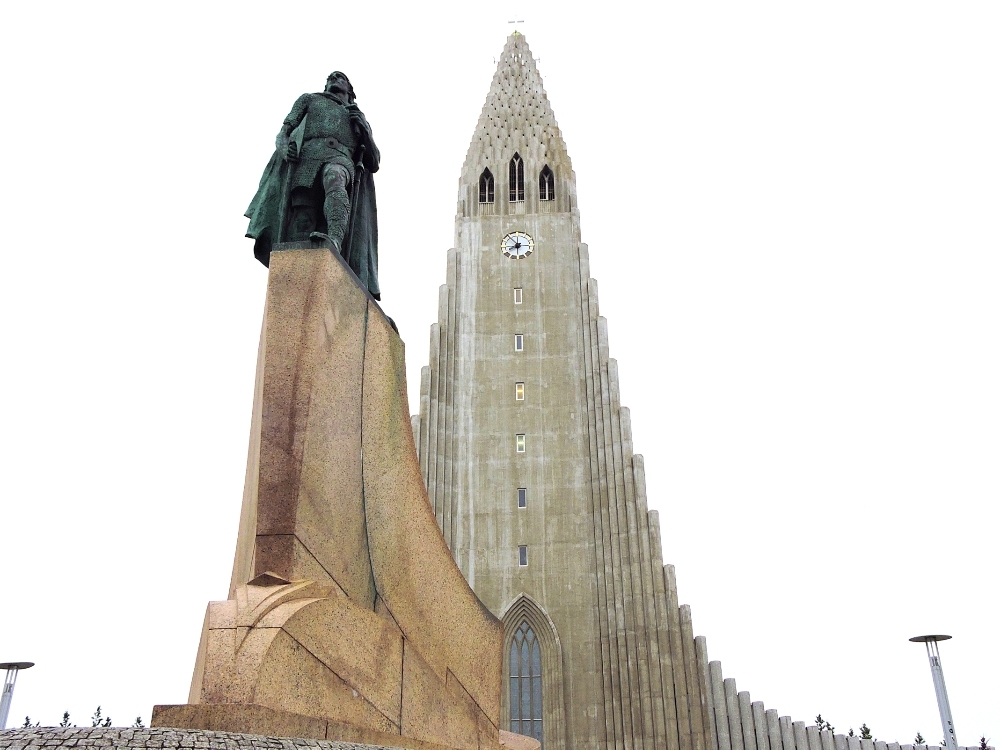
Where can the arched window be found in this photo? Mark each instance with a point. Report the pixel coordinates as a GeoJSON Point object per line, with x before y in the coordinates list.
{"type": "Point", "coordinates": [486, 186]}
{"type": "Point", "coordinates": [526, 683]}
{"type": "Point", "coordinates": [546, 184]}
{"type": "Point", "coordinates": [516, 179]}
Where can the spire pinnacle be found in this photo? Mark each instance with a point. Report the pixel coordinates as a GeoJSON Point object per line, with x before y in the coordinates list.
{"type": "Point", "coordinates": [517, 116]}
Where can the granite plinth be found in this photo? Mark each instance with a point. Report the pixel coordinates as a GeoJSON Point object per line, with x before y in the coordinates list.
{"type": "Point", "coordinates": [346, 608]}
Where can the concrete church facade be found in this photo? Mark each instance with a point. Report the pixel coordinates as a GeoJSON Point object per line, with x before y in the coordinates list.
{"type": "Point", "coordinates": [527, 453]}
{"type": "Point", "coordinates": [527, 456]}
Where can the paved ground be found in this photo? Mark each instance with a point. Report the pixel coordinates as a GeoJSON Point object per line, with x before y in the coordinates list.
{"type": "Point", "coordinates": [159, 739]}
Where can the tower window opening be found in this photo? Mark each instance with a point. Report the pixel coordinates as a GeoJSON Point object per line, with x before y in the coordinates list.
{"type": "Point", "coordinates": [525, 680]}
{"type": "Point", "coordinates": [519, 391]}
{"type": "Point", "coordinates": [546, 184]}
{"type": "Point", "coordinates": [520, 444]}
{"type": "Point", "coordinates": [522, 497]}
{"type": "Point", "coordinates": [522, 556]}
{"type": "Point", "coordinates": [516, 179]}
{"type": "Point", "coordinates": [518, 342]}
{"type": "Point", "coordinates": [517, 296]}
{"type": "Point", "coordinates": [486, 186]}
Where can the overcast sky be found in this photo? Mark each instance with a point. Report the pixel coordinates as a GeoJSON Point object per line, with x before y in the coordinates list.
{"type": "Point", "coordinates": [792, 213]}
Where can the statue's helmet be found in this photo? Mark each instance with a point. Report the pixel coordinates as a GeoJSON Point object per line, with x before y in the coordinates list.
{"type": "Point", "coordinates": [337, 74]}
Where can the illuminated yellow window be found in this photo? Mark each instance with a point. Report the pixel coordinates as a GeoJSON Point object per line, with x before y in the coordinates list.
{"type": "Point", "coordinates": [520, 443]}
{"type": "Point", "coordinates": [519, 391]}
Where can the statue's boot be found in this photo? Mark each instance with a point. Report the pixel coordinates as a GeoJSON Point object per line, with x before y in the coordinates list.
{"type": "Point", "coordinates": [325, 239]}
{"type": "Point", "coordinates": [336, 205]}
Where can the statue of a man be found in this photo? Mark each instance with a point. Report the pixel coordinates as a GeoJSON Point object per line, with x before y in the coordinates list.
{"type": "Point", "coordinates": [318, 185]}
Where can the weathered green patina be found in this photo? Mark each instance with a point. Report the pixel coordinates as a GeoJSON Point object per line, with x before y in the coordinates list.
{"type": "Point", "coordinates": [318, 184]}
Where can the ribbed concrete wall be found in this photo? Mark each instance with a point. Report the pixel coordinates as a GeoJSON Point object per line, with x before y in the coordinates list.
{"type": "Point", "coordinates": [630, 673]}
{"type": "Point", "coordinates": [742, 724]}
{"type": "Point", "coordinates": [634, 676]}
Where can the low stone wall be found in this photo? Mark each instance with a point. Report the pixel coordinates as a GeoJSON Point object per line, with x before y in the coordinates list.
{"type": "Point", "coordinates": [160, 739]}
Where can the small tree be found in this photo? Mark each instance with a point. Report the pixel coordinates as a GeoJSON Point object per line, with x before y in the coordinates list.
{"type": "Point", "coordinates": [866, 733]}
{"type": "Point", "coordinates": [138, 723]}
{"type": "Point", "coordinates": [919, 739]}
{"type": "Point", "coordinates": [28, 725]}
{"type": "Point", "coordinates": [97, 721]}
{"type": "Point", "coordinates": [850, 732]}
{"type": "Point", "coordinates": [984, 743]}
{"type": "Point", "coordinates": [823, 724]}
{"type": "Point", "coordinates": [65, 720]}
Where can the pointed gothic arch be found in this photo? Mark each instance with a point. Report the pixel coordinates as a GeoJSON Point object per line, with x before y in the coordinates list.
{"type": "Point", "coordinates": [546, 184]}
{"type": "Point", "coordinates": [516, 178]}
{"type": "Point", "coordinates": [522, 615]}
{"type": "Point", "coordinates": [486, 186]}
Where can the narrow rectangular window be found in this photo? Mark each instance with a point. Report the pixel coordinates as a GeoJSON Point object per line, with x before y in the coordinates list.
{"type": "Point", "coordinates": [517, 296]}
{"type": "Point", "coordinates": [520, 443]}
{"type": "Point", "coordinates": [519, 391]}
{"type": "Point", "coordinates": [522, 556]}
{"type": "Point", "coordinates": [522, 497]}
{"type": "Point", "coordinates": [518, 342]}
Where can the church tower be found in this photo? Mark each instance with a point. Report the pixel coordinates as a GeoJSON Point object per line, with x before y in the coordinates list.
{"type": "Point", "coordinates": [527, 456]}
{"type": "Point", "coordinates": [527, 453]}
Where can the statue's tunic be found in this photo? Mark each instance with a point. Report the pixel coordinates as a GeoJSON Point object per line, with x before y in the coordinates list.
{"type": "Point", "coordinates": [328, 136]}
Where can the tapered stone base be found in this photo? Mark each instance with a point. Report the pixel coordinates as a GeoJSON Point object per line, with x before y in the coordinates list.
{"type": "Point", "coordinates": [347, 617]}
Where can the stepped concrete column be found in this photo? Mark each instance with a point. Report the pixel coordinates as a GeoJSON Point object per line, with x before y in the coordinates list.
{"type": "Point", "coordinates": [773, 729]}
{"type": "Point", "coordinates": [799, 732]}
{"type": "Point", "coordinates": [746, 721]}
{"type": "Point", "coordinates": [760, 726]}
{"type": "Point", "coordinates": [733, 709]}
{"type": "Point", "coordinates": [787, 733]}
{"type": "Point", "coordinates": [719, 704]}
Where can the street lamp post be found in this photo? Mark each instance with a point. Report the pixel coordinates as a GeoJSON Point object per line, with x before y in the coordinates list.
{"type": "Point", "coordinates": [12, 667]}
{"type": "Point", "coordinates": [944, 707]}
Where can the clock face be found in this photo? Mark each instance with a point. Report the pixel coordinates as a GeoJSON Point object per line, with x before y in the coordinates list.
{"type": "Point", "coordinates": [517, 245]}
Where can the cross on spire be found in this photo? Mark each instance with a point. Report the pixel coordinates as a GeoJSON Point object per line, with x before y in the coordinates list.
{"type": "Point", "coordinates": [514, 17]}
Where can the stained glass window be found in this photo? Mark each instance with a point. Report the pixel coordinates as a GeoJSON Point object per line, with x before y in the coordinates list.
{"type": "Point", "coordinates": [526, 683]}
{"type": "Point", "coordinates": [516, 179]}
{"type": "Point", "coordinates": [546, 184]}
{"type": "Point", "coordinates": [486, 187]}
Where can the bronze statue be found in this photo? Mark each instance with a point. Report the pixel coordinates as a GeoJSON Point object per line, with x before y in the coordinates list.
{"type": "Point", "coordinates": [318, 185]}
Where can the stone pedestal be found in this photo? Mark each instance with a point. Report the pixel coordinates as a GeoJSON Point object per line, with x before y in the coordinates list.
{"type": "Point", "coordinates": [347, 617]}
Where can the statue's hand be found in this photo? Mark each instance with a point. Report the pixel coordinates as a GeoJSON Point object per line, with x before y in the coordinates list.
{"type": "Point", "coordinates": [292, 151]}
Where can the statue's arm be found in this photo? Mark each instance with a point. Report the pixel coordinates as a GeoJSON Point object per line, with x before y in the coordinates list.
{"type": "Point", "coordinates": [281, 142]}
{"type": "Point", "coordinates": [364, 133]}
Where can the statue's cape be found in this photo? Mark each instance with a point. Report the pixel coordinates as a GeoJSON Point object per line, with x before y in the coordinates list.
{"type": "Point", "coordinates": [360, 245]}
{"type": "Point", "coordinates": [266, 206]}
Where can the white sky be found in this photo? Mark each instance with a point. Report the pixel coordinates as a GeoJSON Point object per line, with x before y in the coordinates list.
{"type": "Point", "coordinates": [792, 215]}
